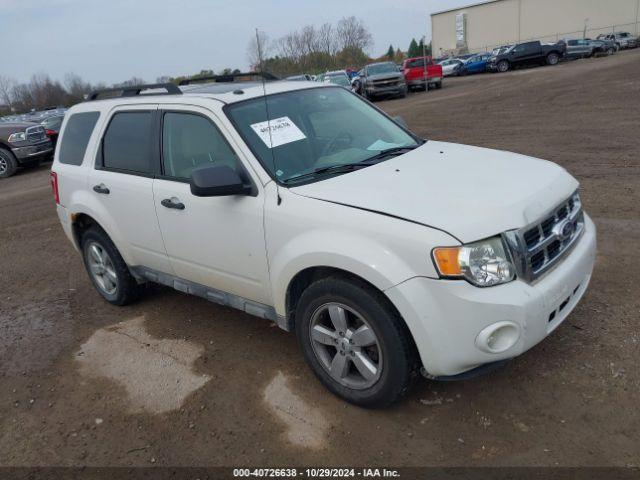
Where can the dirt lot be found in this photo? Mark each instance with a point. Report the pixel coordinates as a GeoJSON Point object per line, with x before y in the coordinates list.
{"type": "Point", "coordinates": [175, 380]}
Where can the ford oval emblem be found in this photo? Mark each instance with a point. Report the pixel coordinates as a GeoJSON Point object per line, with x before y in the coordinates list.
{"type": "Point", "coordinates": [564, 230]}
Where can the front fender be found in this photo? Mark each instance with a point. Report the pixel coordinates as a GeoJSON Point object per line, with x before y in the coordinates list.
{"type": "Point", "coordinates": [304, 232]}
{"type": "Point", "coordinates": [354, 254]}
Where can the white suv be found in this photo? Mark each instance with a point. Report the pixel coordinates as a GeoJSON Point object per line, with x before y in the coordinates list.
{"type": "Point", "coordinates": [304, 204]}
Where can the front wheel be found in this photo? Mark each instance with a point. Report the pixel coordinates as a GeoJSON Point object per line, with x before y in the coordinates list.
{"type": "Point", "coordinates": [553, 59]}
{"type": "Point", "coordinates": [8, 163]}
{"type": "Point", "coordinates": [503, 66]}
{"type": "Point", "coordinates": [355, 342]}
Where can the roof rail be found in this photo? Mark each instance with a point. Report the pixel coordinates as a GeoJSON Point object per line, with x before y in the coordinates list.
{"type": "Point", "coordinates": [134, 90]}
{"type": "Point", "coordinates": [230, 78]}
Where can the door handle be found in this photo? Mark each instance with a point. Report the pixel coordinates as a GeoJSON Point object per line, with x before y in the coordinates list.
{"type": "Point", "coordinates": [101, 189]}
{"type": "Point", "coordinates": [172, 203]}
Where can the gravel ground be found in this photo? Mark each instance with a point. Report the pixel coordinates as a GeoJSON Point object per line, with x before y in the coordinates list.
{"type": "Point", "coordinates": [175, 380]}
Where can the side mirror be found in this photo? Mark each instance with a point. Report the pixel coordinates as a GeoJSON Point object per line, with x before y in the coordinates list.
{"type": "Point", "coordinates": [217, 181]}
{"type": "Point", "coordinates": [400, 121]}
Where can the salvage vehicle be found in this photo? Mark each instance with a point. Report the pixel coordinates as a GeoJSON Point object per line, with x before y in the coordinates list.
{"type": "Point", "coordinates": [622, 40]}
{"type": "Point", "coordinates": [475, 64]}
{"type": "Point", "coordinates": [422, 73]}
{"type": "Point", "coordinates": [270, 198]}
{"type": "Point", "coordinates": [22, 144]}
{"type": "Point", "coordinates": [451, 67]}
{"type": "Point", "coordinates": [381, 79]}
{"type": "Point", "coordinates": [52, 126]}
{"type": "Point", "coordinates": [578, 48]}
{"type": "Point", "coordinates": [336, 77]}
{"type": "Point", "coordinates": [527, 54]}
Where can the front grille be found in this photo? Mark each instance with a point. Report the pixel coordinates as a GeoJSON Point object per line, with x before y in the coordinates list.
{"type": "Point", "coordinates": [540, 246]}
{"type": "Point", "coordinates": [36, 133]}
{"type": "Point", "coordinates": [385, 83]}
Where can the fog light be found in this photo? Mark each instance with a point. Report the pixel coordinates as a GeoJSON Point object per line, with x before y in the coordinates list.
{"type": "Point", "coordinates": [498, 338]}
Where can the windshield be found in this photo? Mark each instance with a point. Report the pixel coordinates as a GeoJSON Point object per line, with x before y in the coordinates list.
{"type": "Point", "coordinates": [379, 68]}
{"type": "Point", "coordinates": [340, 79]}
{"type": "Point", "coordinates": [314, 129]}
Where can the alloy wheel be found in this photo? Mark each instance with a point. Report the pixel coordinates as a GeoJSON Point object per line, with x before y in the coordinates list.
{"type": "Point", "coordinates": [3, 165]}
{"type": "Point", "coordinates": [346, 345]}
{"type": "Point", "coordinates": [101, 268]}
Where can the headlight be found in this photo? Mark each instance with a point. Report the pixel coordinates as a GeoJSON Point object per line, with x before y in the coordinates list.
{"type": "Point", "coordinates": [484, 264]}
{"type": "Point", "coordinates": [17, 137]}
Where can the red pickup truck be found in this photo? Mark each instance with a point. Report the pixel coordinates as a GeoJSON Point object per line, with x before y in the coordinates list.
{"type": "Point", "coordinates": [414, 73]}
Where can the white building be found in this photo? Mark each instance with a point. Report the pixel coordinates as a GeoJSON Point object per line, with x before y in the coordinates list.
{"type": "Point", "coordinates": [483, 26]}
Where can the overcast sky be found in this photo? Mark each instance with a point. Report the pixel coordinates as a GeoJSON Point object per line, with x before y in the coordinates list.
{"type": "Point", "coordinates": [113, 40]}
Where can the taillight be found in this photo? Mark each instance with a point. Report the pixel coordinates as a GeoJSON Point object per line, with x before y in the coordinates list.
{"type": "Point", "coordinates": [54, 186]}
{"type": "Point", "coordinates": [50, 132]}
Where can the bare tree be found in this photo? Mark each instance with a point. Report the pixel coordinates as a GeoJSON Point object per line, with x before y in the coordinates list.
{"type": "Point", "coordinates": [258, 45]}
{"type": "Point", "coordinates": [6, 86]}
{"type": "Point", "coordinates": [76, 88]}
{"type": "Point", "coordinates": [132, 82]}
{"type": "Point", "coordinates": [327, 40]}
{"type": "Point", "coordinates": [352, 34]}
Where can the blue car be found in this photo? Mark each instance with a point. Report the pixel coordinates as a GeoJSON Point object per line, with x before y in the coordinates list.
{"type": "Point", "coordinates": [476, 64]}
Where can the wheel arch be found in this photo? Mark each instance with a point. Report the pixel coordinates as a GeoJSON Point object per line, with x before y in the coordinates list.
{"type": "Point", "coordinates": [309, 275]}
{"type": "Point", "coordinates": [81, 221]}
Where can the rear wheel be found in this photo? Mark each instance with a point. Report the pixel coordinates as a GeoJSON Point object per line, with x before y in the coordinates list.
{"type": "Point", "coordinates": [355, 342]}
{"type": "Point", "coordinates": [8, 163]}
{"type": "Point", "coordinates": [439, 85]}
{"type": "Point", "coordinates": [106, 268]}
{"type": "Point", "coordinates": [553, 58]}
{"type": "Point", "coordinates": [503, 66]}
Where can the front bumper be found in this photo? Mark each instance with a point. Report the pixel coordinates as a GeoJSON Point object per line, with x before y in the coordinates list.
{"type": "Point", "coordinates": [391, 90]}
{"type": "Point", "coordinates": [449, 319]}
{"type": "Point", "coordinates": [32, 152]}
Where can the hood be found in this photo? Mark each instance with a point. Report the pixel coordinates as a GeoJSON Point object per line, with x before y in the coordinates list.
{"type": "Point", "coordinates": [17, 126]}
{"type": "Point", "coordinates": [385, 76]}
{"type": "Point", "coordinates": [470, 192]}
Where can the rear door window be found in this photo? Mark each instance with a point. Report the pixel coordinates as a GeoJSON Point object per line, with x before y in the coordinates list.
{"type": "Point", "coordinates": [76, 137]}
{"type": "Point", "coordinates": [127, 145]}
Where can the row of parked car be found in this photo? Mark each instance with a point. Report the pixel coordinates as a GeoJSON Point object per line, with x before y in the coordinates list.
{"type": "Point", "coordinates": [506, 57]}
{"type": "Point", "coordinates": [28, 139]}
{"type": "Point", "coordinates": [384, 78]}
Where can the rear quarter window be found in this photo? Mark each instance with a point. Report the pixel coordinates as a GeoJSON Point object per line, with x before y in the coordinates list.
{"type": "Point", "coordinates": [75, 137]}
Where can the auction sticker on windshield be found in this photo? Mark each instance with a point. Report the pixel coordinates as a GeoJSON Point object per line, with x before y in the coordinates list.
{"type": "Point", "coordinates": [283, 131]}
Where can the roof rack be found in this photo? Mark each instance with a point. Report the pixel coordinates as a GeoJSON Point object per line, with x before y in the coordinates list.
{"type": "Point", "coordinates": [230, 78]}
{"type": "Point", "coordinates": [134, 90]}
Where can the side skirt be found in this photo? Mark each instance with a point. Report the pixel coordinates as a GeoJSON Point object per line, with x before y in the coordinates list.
{"type": "Point", "coordinates": [216, 296]}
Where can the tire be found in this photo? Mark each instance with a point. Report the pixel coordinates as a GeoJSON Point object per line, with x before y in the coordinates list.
{"type": "Point", "coordinates": [8, 163]}
{"type": "Point", "coordinates": [392, 355]}
{"type": "Point", "coordinates": [438, 85]}
{"type": "Point", "coordinates": [553, 58]}
{"type": "Point", "coordinates": [503, 66]}
{"type": "Point", "coordinates": [403, 93]}
{"type": "Point", "coordinates": [106, 267]}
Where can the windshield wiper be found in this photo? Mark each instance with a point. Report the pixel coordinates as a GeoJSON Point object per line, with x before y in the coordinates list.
{"type": "Point", "coordinates": [391, 151]}
{"type": "Point", "coordinates": [349, 167]}
{"type": "Point", "coordinates": [340, 168]}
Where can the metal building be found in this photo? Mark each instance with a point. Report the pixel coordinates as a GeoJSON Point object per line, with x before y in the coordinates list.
{"type": "Point", "coordinates": [483, 26]}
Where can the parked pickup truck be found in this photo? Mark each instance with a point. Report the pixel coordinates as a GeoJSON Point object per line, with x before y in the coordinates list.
{"type": "Point", "coordinates": [526, 54]}
{"type": "Point", "coordinates": [22, 144]}
{"type": "Point", "coordinates": [420, 78]}
{"type": "Point", "coordinates": [340, 230]}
